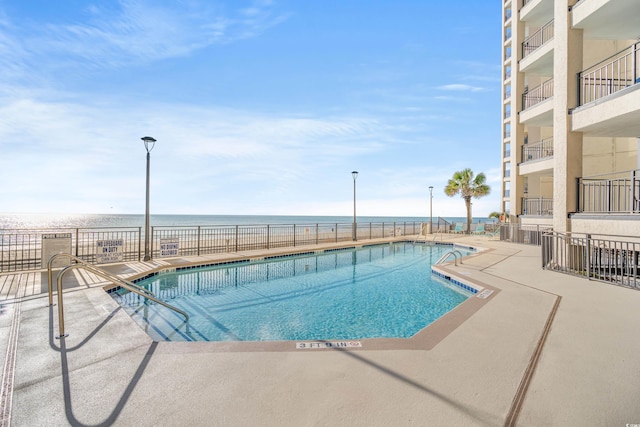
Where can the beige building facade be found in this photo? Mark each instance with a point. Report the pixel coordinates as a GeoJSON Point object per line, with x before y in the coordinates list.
{"type": "Point", "coordinates": [571, 114]}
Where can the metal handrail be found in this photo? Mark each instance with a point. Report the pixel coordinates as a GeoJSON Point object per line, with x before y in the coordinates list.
{"type": "Point", "coordinates": [537, 150]}
{"type": "Point", "coordinates": [131, 287]}
{"type": "Point", "coordinates": [81, 261]}
{"type": "Point", "coordinates": [455, 254]}
{"type": "Point", "coordinates": [538, 94]}
{"type": "Point", "coordinates": [537, 39]}
{"type": "Point", "coordinates": [619, 71]}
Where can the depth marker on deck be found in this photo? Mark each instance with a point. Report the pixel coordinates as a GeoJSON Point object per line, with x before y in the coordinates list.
{"type": "Point", "coordinates": [485, 294]}
{"type": "Point", "coordinates": [327, 344]}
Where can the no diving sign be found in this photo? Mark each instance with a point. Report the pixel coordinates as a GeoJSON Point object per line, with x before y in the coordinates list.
{"type": "Point", "coordinates": [170, 246]}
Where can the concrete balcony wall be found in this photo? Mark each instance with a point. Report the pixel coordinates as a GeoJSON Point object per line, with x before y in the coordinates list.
{"type": "Point", "coordinates": [618, 225]}
{"type": "Point", "coordinates": [536, 166]}
{"type": "Point", "coordinates": [540, 114]}
{"type": "Point", "coordinates": [617, 115]}
{"type": "Point", "coordinates": [607, 19]}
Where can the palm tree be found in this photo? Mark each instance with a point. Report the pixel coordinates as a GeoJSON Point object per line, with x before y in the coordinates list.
{"type": "Point", "coordinates": [464, 183]}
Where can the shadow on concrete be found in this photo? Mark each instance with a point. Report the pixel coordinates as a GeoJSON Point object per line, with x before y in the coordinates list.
{"type": "Point", "coordinates": [66, 385]}
{"type": "Point", "coordinates": [480, 416]}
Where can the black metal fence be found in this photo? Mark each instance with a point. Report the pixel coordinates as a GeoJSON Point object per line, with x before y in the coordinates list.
{"type": "Point", "coordinates": [524, 234]}
{"type": "Point", "coordinates": [610, 193]}
{"type": "Point", "coordinates": [23, 249]}
{"type": "Point", "coordinates": [612, 75]}
{"type": "Point", "coordinates": [613, 259]}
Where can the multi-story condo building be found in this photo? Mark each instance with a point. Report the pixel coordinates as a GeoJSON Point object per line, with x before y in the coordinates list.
{"type": "Point", "coordinates": [571, 114]}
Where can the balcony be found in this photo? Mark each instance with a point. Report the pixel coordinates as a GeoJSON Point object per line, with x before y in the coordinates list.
{"type": "Point", "coordinates": [537, 109]}
{"type": "Point", "coordinates": [537, 94]}
{"type": "Point", "coordinates": [609, 96]}
{"type": "Point", "coordinates": [536, 12]}
{"type": "Point", "coordinates": [538, 150]}
{"type": "Point", "coordinates": [614, 74]}
{"type": "Point", "coordinates": [537, 206]}
{"type": "Point", "coordinates": [537, 39]}
{"type": "Point", "coordinates": [607, 19]}
{"type": "Point", "coordinates": [615, 193]}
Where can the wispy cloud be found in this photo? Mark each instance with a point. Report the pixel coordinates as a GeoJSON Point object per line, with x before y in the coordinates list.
{"type": "Point", "coordinates": [133, 31]}
{"type": "Point", "coordinates": [461, 88]}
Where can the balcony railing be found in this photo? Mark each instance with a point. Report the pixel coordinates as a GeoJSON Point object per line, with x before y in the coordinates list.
{"type": "Point", "coordinates": [537, 39]}
{"type": "Point", "coordinates": [610, 193]}
{"type": "Point", "coordinates": [537, 94]}
{"type": "Point", "coordinates": [538, 206]}
{"type": "Point", "coordinates": [610, 76]}
{"type": "Point", "coordinates": [538, 150]}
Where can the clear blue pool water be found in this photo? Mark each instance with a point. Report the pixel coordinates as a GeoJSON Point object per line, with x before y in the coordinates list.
{"type": "Point", "coordinates": [383, 291]}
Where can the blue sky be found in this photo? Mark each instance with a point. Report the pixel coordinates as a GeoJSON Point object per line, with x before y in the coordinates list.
{"type": "Point", "coordinates": [258, 107]}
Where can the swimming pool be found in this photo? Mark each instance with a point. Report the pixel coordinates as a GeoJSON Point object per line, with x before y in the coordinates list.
{"type": "Point", "coordinates": [381, 291]}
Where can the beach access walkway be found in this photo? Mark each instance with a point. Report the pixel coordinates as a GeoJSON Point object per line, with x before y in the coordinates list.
{"type": "Point", "coordinates": [546, 349]}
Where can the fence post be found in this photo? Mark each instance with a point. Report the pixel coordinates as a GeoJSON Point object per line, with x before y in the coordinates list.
{"type": "Point", "coordinates": [294, 235]}
{"type": "Point", "coordinates": [317, 233]}
{"type": "Point", "coordinates": [268, 236]}
{"type": "Point", "coordinates": [198, 240]}
{"type": "Point", "coordinates": [578, 198]}
{"type": "Point", "coordinates": [370, 231]}
{"type": "Point", "coordinates": [394, 229]}
{"type": "Point", "coordinates": [236, 239]}
{"type": "Point", "coordinates": [77, 240]}
{"type": "Point", "coordinates": [139, 243]}
{"type": "Point", "coordinates": [632, 196]}
{"type": "Point", "coordinates": [588, 254]}
{"type": "Point", "coordinates": [336, 232]}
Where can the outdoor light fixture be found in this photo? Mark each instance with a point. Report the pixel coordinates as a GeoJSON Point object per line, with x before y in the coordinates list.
{"type": "Point", "coordinates": [354, 174]}
{"type": "Point", "coordinates": [149, 143]}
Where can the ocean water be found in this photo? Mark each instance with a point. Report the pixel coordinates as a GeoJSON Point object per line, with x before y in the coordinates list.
{"type": "Point", "coordinates": [24, 221]}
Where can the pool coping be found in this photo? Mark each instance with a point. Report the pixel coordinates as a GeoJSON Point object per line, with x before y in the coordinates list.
{"type": "Point", "coordinates": [425, 339]}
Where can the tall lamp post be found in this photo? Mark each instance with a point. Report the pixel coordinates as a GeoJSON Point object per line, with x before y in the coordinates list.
{"type": "Point", "coordinates": [354, 174]}
{"type": "Point", "coordinates": [148, 145]}
{"type": "Point", "coordinates": [430, 209]}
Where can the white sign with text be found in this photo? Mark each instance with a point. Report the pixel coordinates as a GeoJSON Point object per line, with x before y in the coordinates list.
{"type": "Point", "coordinates": [108, 251]}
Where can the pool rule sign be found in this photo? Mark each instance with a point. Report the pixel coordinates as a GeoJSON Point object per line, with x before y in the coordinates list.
{"type": "Point", "coordinates": [56, 243]}
{"type": "Point", "coordinates": [110, 250]}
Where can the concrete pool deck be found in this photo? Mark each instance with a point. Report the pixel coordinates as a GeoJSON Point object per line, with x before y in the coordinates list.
{"type": "Point", "coordinates": [547, 349]}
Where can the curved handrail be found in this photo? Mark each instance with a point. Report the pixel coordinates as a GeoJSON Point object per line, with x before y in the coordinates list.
{"type": "Point", "coordinates": [113, 278]}
{"type": "Point", "coordinates": [107, 276]}
{"type": "Point", "coordinates": [455, 254]}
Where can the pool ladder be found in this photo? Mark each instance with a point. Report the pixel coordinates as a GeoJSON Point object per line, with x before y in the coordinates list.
{"type": "Point", "coordinates": [455, 254]}
{"type": "Point", "coordinates": [130, 286]}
